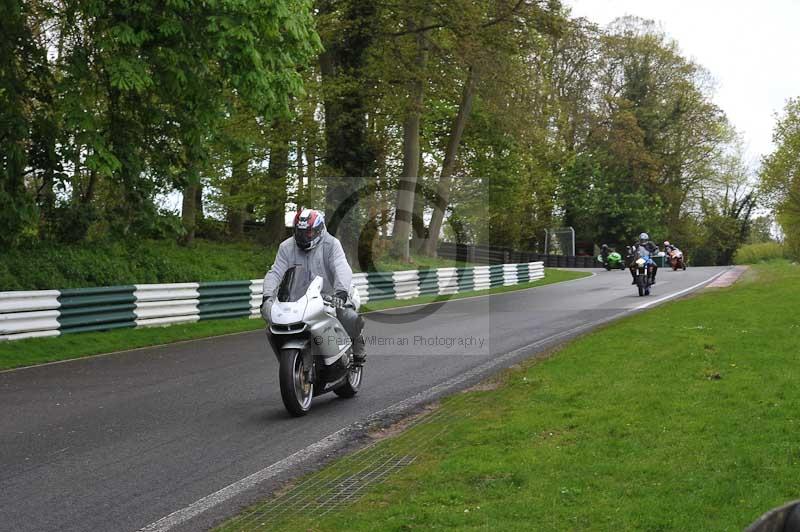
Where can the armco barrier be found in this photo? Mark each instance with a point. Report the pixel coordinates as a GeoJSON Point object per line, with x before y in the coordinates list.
{"type": "Point", "coordinates": [38, 313]}
{"type": "Point", "coordinates": [224, 299]}
{"type": "Point", "coordinates": [165, 304]}
{"type": "Point", "coordinates": [96, 309]}
{"type": "Point", "coordinates": [29, 314]}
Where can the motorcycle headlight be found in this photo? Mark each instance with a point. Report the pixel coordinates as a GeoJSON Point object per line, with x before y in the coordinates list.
{"type": "Point", "coordinates": [640, 262]}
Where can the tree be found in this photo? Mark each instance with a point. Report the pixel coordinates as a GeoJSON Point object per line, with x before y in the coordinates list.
{"type": "Point", "coordinates": [139, 87]}
{"type": "Point", "coordinates": [349, 157]}
{"type": "Point", "coordinates": [23, 83]}
{"type": "Point", "coordinates": [780, 174]}
{"type": "Point", "coordinates": [727, 206]}
{"type": "Point", "coordinates": [407, 188]}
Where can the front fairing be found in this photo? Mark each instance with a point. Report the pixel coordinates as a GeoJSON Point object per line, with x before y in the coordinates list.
{"type": "Point", "coordinates": [312, 322]}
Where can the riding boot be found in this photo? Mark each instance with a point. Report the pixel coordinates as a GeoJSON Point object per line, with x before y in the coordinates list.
{"type": "Point", "coordinates": [359, 351]}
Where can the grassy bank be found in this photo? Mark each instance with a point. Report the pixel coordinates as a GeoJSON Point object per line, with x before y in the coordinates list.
{"type": "Point", "coordinates": [52, 266]}
{"type": "Point", "coordinates": [40, 350]}
{"type": "Point", "coordinates": [158, 261]}
{"type": "Point", "coordinates": [681, 418]}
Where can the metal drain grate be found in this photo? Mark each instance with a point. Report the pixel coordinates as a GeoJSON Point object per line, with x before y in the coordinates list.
{"type": "Point", "coordinates": [342, 483]}
{"type": "Point", "coordinates": [341, 492]}
{"type": "Point", "coordinates": [317, 496]}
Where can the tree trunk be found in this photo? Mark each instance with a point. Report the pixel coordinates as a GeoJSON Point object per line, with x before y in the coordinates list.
{"type": "Point", "coordinates": [198, 201]}
{"type": "Point", "coordinates": [349, 158]}
{"type": "Point", "coordinates": [124, 138]}
{"type": "Point", "coordinates": [301, 174]}
{"type": "Point", "coordinates": [239, 177]}
{"type": "Point", "coordinates": [443, 188]}
{"type": "Point", "coordinates": [189, 213]}
{"type": "Point", "coordinates": [312, 139]}
{"type": "Point", "coordinates": [411, 153]}
{"type": "Point", "coordinates": [275, 223]}
{"type": "Point", "coordinates": [418, 238]}
{"type": "Point", "coordinates": [77, 186]}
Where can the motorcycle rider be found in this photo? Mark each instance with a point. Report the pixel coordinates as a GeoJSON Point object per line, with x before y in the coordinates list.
{"type": "Point", "coordinates": [652, 249]}
{"type": "Point", "coordinates": [669, 248]}
{"type": "Point", "coordinates": [320, 254]}
{"type": "Point", "coordinates": [604, 253]}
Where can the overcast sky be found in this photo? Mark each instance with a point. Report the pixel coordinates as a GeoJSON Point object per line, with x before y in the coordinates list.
{"type": "Point", "coordinates": [751, 49]}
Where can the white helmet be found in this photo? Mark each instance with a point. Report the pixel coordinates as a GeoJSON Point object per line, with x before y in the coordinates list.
{"type": "Point", "coordinates": [644, 237]}
{"type": "Point", "coordinates": [666, 242]}
{"type": "Point", "coordinates": [308, 227]}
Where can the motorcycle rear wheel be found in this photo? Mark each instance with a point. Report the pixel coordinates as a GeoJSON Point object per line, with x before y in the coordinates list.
{"type": "Point", "coordinates": [351, 385]}
{"type": "Point", "coordinates": [296, 391]}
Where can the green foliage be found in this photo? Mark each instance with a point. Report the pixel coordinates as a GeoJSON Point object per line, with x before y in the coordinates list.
{"type": "Point", "coordinates": [762, 252]}
{"type": "Point", "coordinates": [125, 107]}
{"type": "Point", "coordinates": [780, 175]}
{"type": "Point", "coordinates": [23, 82]}
{"type": "Point", "coordinates": [235, 105]}
{"type": "Point", "coordinates": [761, 230]}
{"type": "Point", "coordinates": [48, 266]}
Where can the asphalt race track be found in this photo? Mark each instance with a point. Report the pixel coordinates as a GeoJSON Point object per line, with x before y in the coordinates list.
{"type": "Point", "coordinates": [118, 442]}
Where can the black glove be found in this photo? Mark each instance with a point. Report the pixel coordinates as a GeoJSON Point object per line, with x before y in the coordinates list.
{"type": "Point", "coordinates": [340, 299]}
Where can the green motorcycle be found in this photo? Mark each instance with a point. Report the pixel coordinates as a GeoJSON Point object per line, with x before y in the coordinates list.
{"type": "Point", "coordinates": [613, 261]}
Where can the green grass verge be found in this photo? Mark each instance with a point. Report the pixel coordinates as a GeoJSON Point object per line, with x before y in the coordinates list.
{"type": "Point", "coordinates": [681, 418]}
{"type": "Point", "coordinates": [418, 262]}
{"type": "Point", "coordinates": [40, 350]}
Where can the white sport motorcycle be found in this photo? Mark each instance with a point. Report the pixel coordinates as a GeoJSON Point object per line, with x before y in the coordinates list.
{"type": "Point", "coordinates": [314, 350]}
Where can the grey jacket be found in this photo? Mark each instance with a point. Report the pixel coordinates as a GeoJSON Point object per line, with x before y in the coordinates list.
{"type": "Point", "coordinates": [326, 259]}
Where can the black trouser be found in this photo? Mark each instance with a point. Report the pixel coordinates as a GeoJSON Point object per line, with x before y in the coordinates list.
{"type": "Point", "coordinates": [353, 323]}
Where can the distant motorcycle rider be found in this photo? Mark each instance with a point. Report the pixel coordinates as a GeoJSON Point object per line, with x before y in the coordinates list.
{"type": "Point", "coordinates": [669, 248]}
{"type": "Point", "coordinates": [320, 254]}
{"type": "Point", "coordinates": [648, 246]}
{"type": "Point", "coordinates": [604, 253]}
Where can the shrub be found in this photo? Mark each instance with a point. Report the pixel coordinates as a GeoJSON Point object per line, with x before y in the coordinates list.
{"type": "Point", "coordinates": [754, 253]}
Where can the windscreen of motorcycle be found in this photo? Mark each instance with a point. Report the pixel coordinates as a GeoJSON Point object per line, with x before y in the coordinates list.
{"type": "Point", "coordinates": [294, 284]}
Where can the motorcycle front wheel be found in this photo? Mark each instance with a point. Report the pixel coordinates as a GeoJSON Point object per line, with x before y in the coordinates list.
{"type": "Point", "coordinates": [296, 390]}
{"type": "Point", "coordinates": [641, 283]}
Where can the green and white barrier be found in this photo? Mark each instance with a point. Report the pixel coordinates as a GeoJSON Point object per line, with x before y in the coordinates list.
{"type": "Point", "coordinates": [380, 286]}
{"type": "Point", "coordinates": [28, 314]}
